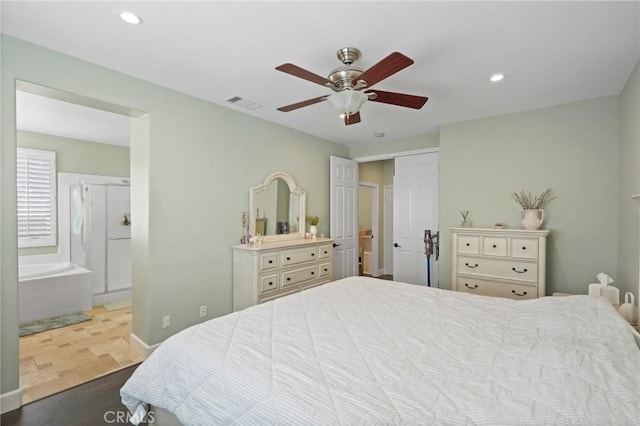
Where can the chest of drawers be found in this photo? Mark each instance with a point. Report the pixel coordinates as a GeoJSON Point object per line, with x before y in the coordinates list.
{"type": "Point", "coordinates": [271, 270]}
{"type": "Point", "coordinates": [499, 262]}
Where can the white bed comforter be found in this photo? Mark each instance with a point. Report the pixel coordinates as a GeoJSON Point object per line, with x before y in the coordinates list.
{"type": "Point", "coordinates": [367, 351]}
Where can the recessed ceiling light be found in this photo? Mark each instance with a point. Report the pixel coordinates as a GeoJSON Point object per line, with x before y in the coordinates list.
{"type": "Point", "coordinates": [496, 77]}
{"type": "Point", "coordinates": [130, 17]}
{"type": "Point", "coordinates": [378, 134]}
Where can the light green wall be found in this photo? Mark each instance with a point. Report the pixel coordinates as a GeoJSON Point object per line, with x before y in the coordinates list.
{"type": "Point", "coordinates": [79, 156]}
{"type": "Point", "coordinates": [364, 207]}
{"type": "Point", "coordinates": [571, 148]}
{"type": "Point", "coordinates": [192, 163]}
{"type": "Point", "coordinates": [629, 181]}
{"type": "Point", "coordinates": [76, 156]}
{"type": "Point", "coordinates": [400, 145]}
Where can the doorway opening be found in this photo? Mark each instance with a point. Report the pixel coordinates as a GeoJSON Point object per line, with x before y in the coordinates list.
{"type": "Point", "coordinates": [413, 200]}
{"type": "Point", "coordinates": [62, 344]}
{"type": "Point", "coordinates": [368, 229]}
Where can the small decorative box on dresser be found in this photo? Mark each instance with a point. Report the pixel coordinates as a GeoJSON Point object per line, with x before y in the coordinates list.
{"type": "Point", "coordinates": [499, 262]}
{"type": "Point", "coordinates": [271, 270]}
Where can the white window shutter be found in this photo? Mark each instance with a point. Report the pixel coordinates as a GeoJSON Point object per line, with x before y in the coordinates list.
{"type": "Point", "coordinates": [36, 185]}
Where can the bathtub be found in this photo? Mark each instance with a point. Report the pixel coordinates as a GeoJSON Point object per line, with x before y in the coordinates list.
{"type": "Point", "coordinates": [50, 289]}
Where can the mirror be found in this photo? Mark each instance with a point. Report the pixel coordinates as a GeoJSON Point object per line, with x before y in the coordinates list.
{"type": "Point", "coordinates": [277, 208]}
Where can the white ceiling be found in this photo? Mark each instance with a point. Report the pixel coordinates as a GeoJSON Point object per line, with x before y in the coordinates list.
{"type": "Point", "coordinates": [550, 52]}
{"type": "Point", "coordinates": [41, 114]}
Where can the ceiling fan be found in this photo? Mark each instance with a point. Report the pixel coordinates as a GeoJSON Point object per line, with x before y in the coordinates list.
{"type": "Point", "coordinates": [351, 85]}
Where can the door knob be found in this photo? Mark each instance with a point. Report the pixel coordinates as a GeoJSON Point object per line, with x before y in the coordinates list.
{"type": "Point", "coordinates": [396, 245]}
{"type": "Point", "coordinates": [336, 245]}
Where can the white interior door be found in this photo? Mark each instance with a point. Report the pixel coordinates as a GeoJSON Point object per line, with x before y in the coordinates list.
{"type": "Point", "coordinates": [343, 183]}
{"type": "Point", "coordinates": [388, 229]}
{"type": "Point", "coordinates": [415, 209]}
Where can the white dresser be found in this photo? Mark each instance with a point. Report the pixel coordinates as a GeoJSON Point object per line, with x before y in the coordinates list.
{"type": "Point", "coordinates": [499, 262]}
{"type": "Point", "coordinates": [275, 269]}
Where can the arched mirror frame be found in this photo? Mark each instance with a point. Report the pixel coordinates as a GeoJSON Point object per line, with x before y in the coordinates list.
{"type": "Point", "coordinates": [293, 190]}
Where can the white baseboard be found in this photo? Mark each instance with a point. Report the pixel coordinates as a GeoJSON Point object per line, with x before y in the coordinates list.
{"type": "Point", "coordinates": [10, 401]}
{"type": "Point", "coordinates": [141, 347]}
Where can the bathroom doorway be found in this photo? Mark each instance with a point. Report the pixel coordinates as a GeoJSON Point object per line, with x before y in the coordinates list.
{"type": "Point", "coordinates": [82, 329]}
{"type": "Point", "coordinates": [368, 229]}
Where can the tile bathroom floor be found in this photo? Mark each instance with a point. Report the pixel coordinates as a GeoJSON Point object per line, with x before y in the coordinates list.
{"type": "Point", "coordinates": [59, 359]}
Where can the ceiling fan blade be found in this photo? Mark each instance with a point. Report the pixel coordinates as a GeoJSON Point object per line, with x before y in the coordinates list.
{"type": "Point", "coordinates": [302, 104]}
{"type": "Point", "coordinates": [352, 119]}
{"type": "Point", "coordinates": [296, 71]}
{"type": "Point", "coordinates": [399, 99]}
{"type": "Point", "coordinates": [386, 67]}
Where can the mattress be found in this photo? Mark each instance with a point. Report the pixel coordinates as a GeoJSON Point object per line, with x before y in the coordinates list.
{"type": "Point", "coordinates": [368, 351]}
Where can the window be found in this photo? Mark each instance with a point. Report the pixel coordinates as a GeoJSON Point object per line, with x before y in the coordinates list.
{"type": "Point", "coordinates": [36, 177]}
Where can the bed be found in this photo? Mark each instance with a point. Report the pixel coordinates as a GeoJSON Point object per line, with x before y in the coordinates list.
{"type": "Point", "coordinates": [367, 351]}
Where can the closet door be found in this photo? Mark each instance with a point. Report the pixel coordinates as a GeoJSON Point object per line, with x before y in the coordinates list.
{"type": "Point", "coordinates": [415, 209]}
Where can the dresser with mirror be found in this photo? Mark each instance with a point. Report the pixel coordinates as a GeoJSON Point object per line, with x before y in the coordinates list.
{"type": "Point", "coordinates": [281, 260]}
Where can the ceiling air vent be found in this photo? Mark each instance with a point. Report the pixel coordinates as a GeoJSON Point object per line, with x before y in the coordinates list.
{"type": "Point", "coordinates": [243, 103]}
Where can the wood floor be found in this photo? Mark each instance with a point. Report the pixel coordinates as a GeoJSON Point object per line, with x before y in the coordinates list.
{"type": "Point", "coordinates": [59, 359]}
{"type": "Point", "coordinates": [94, 403]}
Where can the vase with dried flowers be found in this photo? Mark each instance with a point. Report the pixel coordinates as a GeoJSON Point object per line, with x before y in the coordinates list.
{"type": "Point", "coordinates": [465, 222]}
{"type": "Point", "coordinates": [532, 214]}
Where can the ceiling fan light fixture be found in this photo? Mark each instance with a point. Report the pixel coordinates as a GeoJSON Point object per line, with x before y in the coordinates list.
{"type": "Point", "coordinates": [497, 77]}
{"type": "Point", "coordinates": [347, 101]}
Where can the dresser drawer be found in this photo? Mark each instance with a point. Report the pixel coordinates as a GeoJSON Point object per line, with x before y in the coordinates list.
{"type": "Point", "coordinates": [494, 246]}
{"type": "Point", "coordinates": [291, 257]}
{"type": "Point", "coordinates": [468, 244]}
{"type": "Point", "coordinates": [509, 269]}
{"type": "Point", "coordinates": [324, 269]}
{"type": "Point", "coordinates": [268, 261]}
{"type": "Point", "coordinates": [524, 248]}
{"type": "Point", "coordinates": [489, 288]}
{"type": "Point", "coordinates": [324, 252]}
{"type": "Point", "coordinates": [299, 275]}
{"type": "Point", "coordinates": [269, 283]}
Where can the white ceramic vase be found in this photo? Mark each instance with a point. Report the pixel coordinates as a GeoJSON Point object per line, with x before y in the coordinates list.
{"type": "Point", "coordinates": [532, 219]}
{"type": "Point", "coordinates": [313, 230]}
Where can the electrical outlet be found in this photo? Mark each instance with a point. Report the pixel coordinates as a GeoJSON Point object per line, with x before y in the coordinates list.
{"type": "Point", "coordinates": [203, 311]}
{"type": "Point", "coordinates": [166, 321]}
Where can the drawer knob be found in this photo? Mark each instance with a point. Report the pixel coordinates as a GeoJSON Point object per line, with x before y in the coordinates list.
{"type": "Point", "coordinates": [288, 278]}
{"type": "Point", "coordinates": [470, 266]}
{"type": "Point", "coordinates": [313, 273]}
{"type": "Point", "coordinates": [524, 293]}
{"type": "Point", "coordinates": [326, 269]}
{"type": "Point", "coordinates": [313, 254]}
{"type": "Point", "coordinates": [468, 244]}
{"type": "Point", "coordinates": [271, 261]}
{"type": "Point", "coordinates": [288, 258]}
{"type": "Point", "coordinates": [494, 246]}
{"type": "Point", "coordinates": [472, 288]}
{"type": "Point", "coordinates": [270, 283]}
{"type": "Point", "coordinates": [519, 272]}
{"type": "Point", "coordinates": [524, 247]}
